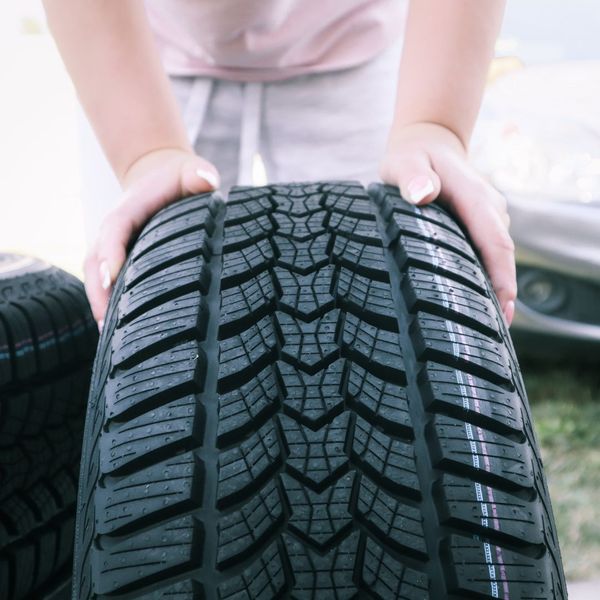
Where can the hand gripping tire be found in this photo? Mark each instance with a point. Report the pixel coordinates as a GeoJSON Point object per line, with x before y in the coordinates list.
{"type": "Point", "coordinates": [309, 392]}
{"type": "Point", "coordinates": [47, 343]}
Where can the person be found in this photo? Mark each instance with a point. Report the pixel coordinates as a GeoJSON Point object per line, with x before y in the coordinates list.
{"type": "Point", "coordinates": [320, 79]}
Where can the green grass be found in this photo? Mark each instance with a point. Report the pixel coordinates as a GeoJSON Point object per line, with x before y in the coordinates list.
{"type": "Point", "coordinates": [566, 406]}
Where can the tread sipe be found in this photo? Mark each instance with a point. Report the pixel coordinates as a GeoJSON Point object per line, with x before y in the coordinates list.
{"type": "Point", "coordinates": [308, 392]}
{"type": "Point", "coordinates": [47, 343]}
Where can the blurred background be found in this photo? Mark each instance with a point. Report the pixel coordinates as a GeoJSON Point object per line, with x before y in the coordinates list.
{"type": "Point", "coordinates": [538, 140]}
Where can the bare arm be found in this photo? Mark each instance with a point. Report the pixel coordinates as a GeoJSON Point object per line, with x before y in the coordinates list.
{"type": "Point", "coordinates": [108, 49]}
{"type": "Point", "coordinates": [447, 51]}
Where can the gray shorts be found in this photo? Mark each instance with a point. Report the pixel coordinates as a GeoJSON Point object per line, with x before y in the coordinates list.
{"type": "Point", "coordinates": [326, 126]}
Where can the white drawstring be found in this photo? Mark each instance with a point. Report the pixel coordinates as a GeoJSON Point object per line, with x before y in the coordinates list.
{"type": "Point", "coordinates": [249, 131]}
{"type": "Point", "coordinates": [197, 105]}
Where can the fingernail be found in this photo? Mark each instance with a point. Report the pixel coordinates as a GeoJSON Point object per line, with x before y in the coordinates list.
{"type": "Point", "coordinates": [509, 312]}
{"type": "Point", "coordinates": [104, 275]}
{"type": "Point", "coordinates": [418, 188]}
{"type": "Point", "coordinates": [100, 325]}
{"type": "Point", "coordinates": [209, 177]}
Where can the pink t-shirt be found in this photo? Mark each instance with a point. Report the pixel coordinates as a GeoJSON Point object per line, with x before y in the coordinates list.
{"type": "Point", "coordinates": [266, 40]}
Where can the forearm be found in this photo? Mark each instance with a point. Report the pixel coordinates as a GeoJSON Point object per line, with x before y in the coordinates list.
{"type": "Point", "coordinates": [108, 49]}
{"type": "Point", "coordinates": [447, 50]}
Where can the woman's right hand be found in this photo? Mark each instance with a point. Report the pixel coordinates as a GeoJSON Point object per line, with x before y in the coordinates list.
{"type": "Point", "coordinates": [152, 182]}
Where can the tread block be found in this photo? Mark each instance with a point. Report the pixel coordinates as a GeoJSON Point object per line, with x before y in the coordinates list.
{"type": "Point", "coordinates": [428, 292]}
{"type": "Point", "coordinates": [240, 265]}
{"type": "Point", "coordinates": [357, 205]}
{"type": "Point", "coordinates": [483, 570]}
{"type": "Point", "coordinates": [488, 512]}
{"type": "Point", "coordinates": [306, 296]}
{"type": "Point", "coordinates": [481, 454]}
{"type": "Point", "coordinates": [244, 193]}
{"type": "Point", "coordinates": [471, 398]}
{"type": "Point", "coordinates": [6, 359]}
{"type": "Point", "coordinates": [388, 461]}
{"type": "Point", "coordinates": [459, 346]}
{"type": "Point", "coordinates": [377, 350]}
{"type": "Point", "coordinates": [161, 431]}
{"type": "Point", "coordinates": [262, 580]}
{"type": "Point", "coordinates": [300, 229]}
{"type": "Point", "coordinates": [210, 200]}
{"type": "Point", "coordinates": [316, 457]}
{"type": "Point", "coordinates": [389, 578]}
{"type": "Point", "coordinates": [392, 202]}
{"type": "Point", "coordinates": [243, 531]}
{"type": "Point", "coordinates": [368, 298]}
{"type": "Point", "coordinates": [296, 190]}
{"type": "Point", "coordinates": [315, 399]}
{"type": "Point", "coordinates": [303, 258]}
{"type": "Point", "coordinates": [319, 518]}
{"type": "Point", "coordinates": [247, 209]}
{"type": "Point", "coordinates": [394, 522]}
{"type": "Point", "coordinates": [245, 467]}
{"type": "Point", "coordinates": [171, 374]}
{"type": "Point", "coordinates": [153, 493]}
{"type": "Point", "coordinates": [245, 303]}
{"type": "Point", "coordinates": [189, 589]}
{"type": "Point", "coordinates": [309, 346]}
{"type": "Point", "coordinates": [339, 192]}
{"type": "Point", "coordinates": [246, 353]}
{"type": "Point", "coordinates": [149, 557]}
{"type": "Point", "coordinates": [181, 319]}
{"type": "Point", "coordinates": [200, 218]}
{"type": "Point", "coordinates": [62, 324]}
{"type": "Point", "coordinates": [383, 404]}
{"type": "Point", "coordinates": [17, 516]}
{"type": "Point", "coordinates": [327, 575]}
{"type": "Point", "coordinates": [402, 223]}
{"type": "Point", "coordinates": [365, 259]}
{"type": "Point", "coordinates": [192, 244]}
{"type": "Point", "coordinates": [354, 228]}
{"type": "Point", "coordinates": [437, 259]}
{"type": "Point", "coordinates": [247, 233]}
{"type": "Point", "coordinates": [299, 206]}
{"type": "Point", "coordinates": [30, 342]}
{"type": "Point", "coordinates": [250, 404]}
{"type": "Point", "coordinates": [24, 556]}
{"type": "Point", "coordinates": [178, 279]}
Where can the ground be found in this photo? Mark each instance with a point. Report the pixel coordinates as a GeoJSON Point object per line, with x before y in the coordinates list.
{"type": "Point", "coordinates": [566, 406]}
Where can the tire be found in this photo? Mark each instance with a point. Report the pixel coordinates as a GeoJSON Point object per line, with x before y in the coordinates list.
{"type": "Point", "coordinates": [47, 343]}
{"type": "Point", "coordinates": [309, 392]}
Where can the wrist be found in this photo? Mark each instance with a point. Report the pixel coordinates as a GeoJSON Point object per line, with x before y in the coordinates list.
{"type": "Point", "coordinates": [151, 160]}
{"type": "Point", "coordinates": [424, 133]}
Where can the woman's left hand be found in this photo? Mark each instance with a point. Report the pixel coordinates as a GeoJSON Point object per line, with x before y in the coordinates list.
{"type": "Point", "coordinates": [428, 161]}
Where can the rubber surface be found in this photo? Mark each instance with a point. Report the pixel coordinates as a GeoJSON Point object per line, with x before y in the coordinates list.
{"type": "Point", "coordinates": [308, 392]}
{"type": "Point", "coordinates": [47, 344]}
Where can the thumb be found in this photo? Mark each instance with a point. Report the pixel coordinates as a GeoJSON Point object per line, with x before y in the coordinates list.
{"type": "Point", "coordinates": [418, 182]}
{"type": "Point", "coordinates": [198, 176]}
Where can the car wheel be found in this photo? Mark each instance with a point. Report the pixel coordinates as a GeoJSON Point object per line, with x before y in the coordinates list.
{"type": "Point", "coordinates": [47, 344]}
{"type": "Point", "coordinates": [309, 392]}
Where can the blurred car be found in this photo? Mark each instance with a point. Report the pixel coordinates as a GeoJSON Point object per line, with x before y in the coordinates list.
{"type": "Point", "coordinates": [538, 141]}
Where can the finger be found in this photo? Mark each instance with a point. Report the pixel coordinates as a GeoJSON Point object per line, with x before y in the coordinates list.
{"type": "Point", "coordinates": [418, 182]}
{"type": "Point", "coordinates": [489, 234]}
{"type": "Point", "coordinates": [198, 176]}
{"type": "Point", "coordinates": [103, 268]}
{"type": "Point", "coordinates": [97, 296]}
{"type": "Point", "coordinates": [146, 197]}
{"type": "Point", "coordinates": [498, 255]}
{"type": "Point", "coordinates": [149, 194]}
